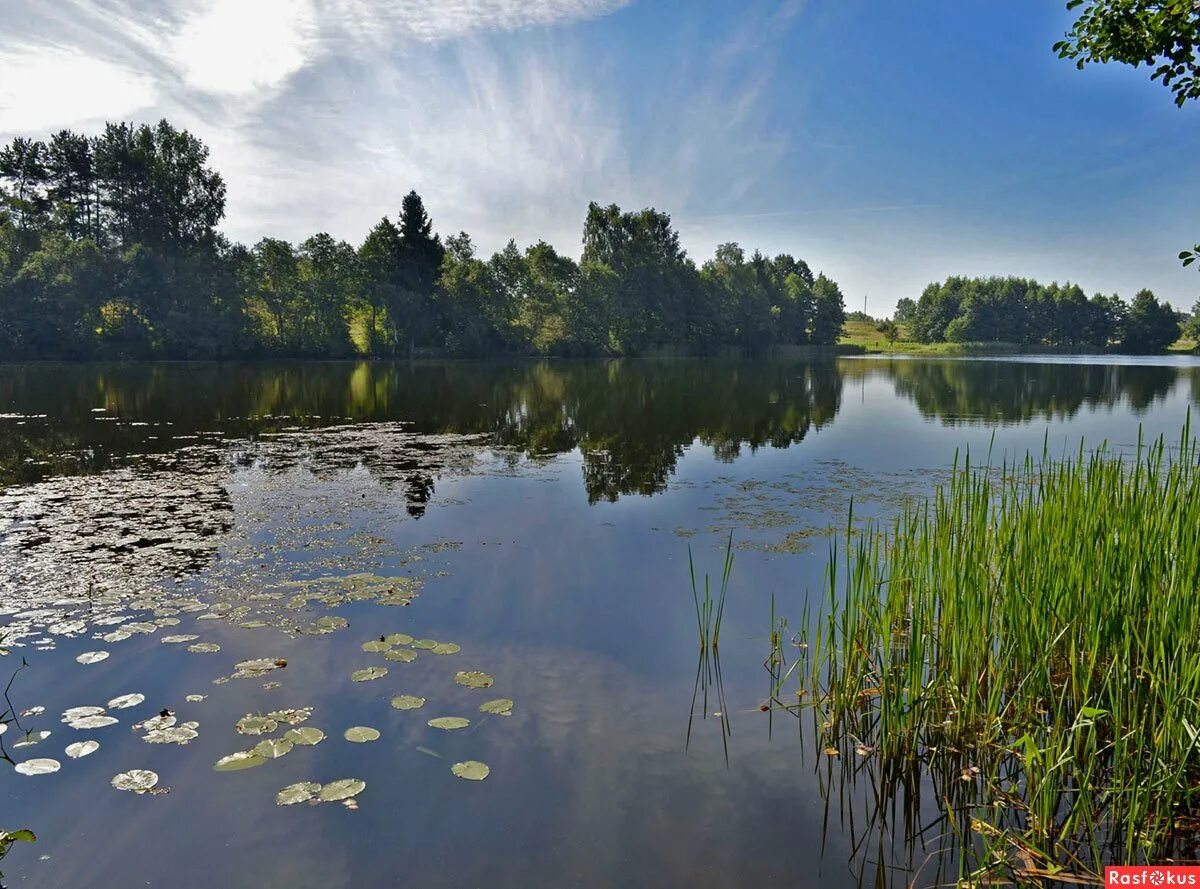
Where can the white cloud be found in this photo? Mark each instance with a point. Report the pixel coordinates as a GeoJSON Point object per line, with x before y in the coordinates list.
{"type": "Point", "coordinates": [433, 20]}
{"type": "Point", "coordinates": [242, 48]}
{"type": "Point", "coordinates": [48, 87]}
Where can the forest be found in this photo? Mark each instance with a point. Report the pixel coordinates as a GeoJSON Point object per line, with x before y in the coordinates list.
{"type": "Point", "coordinates": [1026, 313]}
{"type": "Point", "coordinates": [109, 248]}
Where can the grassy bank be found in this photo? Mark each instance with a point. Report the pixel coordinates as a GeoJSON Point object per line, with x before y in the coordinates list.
{"type": "Point", "coordinates": [1028, 639]}
{"type": "Point", "coordinates": [863, 335]}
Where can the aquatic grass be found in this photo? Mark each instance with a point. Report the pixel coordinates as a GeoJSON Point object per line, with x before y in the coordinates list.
{"type": "Point", "coordinates": [709, 613]}
{"type": "Point", "coordinates": [1032, 629]}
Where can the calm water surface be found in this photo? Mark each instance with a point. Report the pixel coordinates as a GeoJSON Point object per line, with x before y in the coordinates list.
{"type": "Point", "coordinates": [542, 515]}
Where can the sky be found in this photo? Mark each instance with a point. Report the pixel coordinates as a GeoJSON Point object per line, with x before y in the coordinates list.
{"type": "Point", "coordinates": [888, 144]}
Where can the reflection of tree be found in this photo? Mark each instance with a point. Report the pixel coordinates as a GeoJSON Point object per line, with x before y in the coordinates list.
{"type": "Point", "coordinates": [1015, 392]}
{"type": "Point", "coordinates": [630, 420]}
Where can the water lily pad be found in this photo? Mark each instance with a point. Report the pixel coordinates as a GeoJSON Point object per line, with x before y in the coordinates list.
{"type": "Point", "coordinates": [399, 639]}
{"type": "Point", "coordinates": [272, 748]}
{"type": "Point", "coordinates": [155, 723]}
{"type": "Point", "coordinates": [92, 657]}
{"type": "Point", "coordinates": [297, 793]}
{"type": "Point", "coordinates": [375, 646]}
{"type": "Point", "coordinates": [3, 727]}
{"type": "Point", "coordinates": [235, 762]}
{"type": "Point", "coordinates": [471, 770]}
{"type": "Point", "coordinates": [368, 674]}
{"type": "Point", "coordinates": [408, 702]}
{"type": "Point", "coordinates": [258, 667]}
{"type": "Point", "coordinates": [498, 707]}
{"type": "Point", "coordinates": [253, 624]}
{"type": "Point", "coordinates": [176, 734]}
{"type": "Point", "coordinates": [80, 712]}
{"type": "Point", "coordinates": [92, 722]}
{"type": "Point", "coordinates": [195, 699]}
{"type": "Point", "coordinates": [361, 734]}
{"type": "Point", "coordinates": [305, 737]}
{"type": "Point", "coordinates": [80, 749]}
{"type": "Point", "coordinates": [342, 789]}
{"type": "Point", "coordinates": [401, 655]}
{"type": "Point", "coordinates": [294, 716]}
{"type": "Point", "coordinates": [33, 711]}
{"type": "Point", "coordinates": [473, 679]}
{"type": "Point", "coordinates": [204, 648]}
{"type": "Point", "coordinates": [124, 701]}
{"type": "Point", "coordinates": [446, 648]}
{"type": "Point", "coordinates": [256, 725]}
{"type": "Point", "coordinates": [175, 640]}
{"type": "Point", "coordinates": [135, 780]}
{"type": "Point", "coordinates": [425, 644]}
{"type": "Point", "coordinates": [38, 767]}
{"type": "Point", "coordinates": [449, 723]}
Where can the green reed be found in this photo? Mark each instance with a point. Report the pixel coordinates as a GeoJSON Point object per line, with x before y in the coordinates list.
{"type": "Point", "coordinates": [1032, 629]}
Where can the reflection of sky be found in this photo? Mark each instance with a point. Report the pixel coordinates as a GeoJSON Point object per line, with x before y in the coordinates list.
{"type": "Point", "coordinates": [583, 614]}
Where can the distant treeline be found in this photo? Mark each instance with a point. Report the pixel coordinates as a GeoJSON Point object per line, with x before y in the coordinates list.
{"type": "Point", "coordinates": [109, 249]}
{"type": "Point", "coordinates": [1024, 312]}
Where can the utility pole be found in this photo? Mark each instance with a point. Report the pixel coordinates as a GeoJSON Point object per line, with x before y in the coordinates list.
{"type": "Point", "coordinates": [864, 304]}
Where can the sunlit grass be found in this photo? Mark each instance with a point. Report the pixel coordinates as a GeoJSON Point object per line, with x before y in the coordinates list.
{"type": "Point", "coordinates": [1037, 627]}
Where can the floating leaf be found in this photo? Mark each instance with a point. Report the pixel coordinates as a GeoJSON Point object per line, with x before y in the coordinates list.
{"type": "Point", "coordinates": [471, 770]}
{"type": "Point", "coordinates": [38, 767]}
{"type": "Point", "coordinates": [297, 793]}
{"type": "Point", "coordinates": [294, 716]}
{"type": "Point", "coordinates": [256, 725]}
{"type": "Point", "coordinates": [361, 734]}
{"type": "Point", "coordinates": [253, 624]}
{"type": "Point", "coordinates": [305, 737]}
{"type": "Point", "coordinates": [498, 707]}
{"type": "Point", "coordinates": [401, 655]}
{"type": "Point", "coordinates": [257, 667]}
{"type": "Point", "coordinates": [204, 648]}
{"type": "Point", "coordinates": [343, 789]}
{"type": "Point", "coordinates": [368, 674]}
{"type": "Point", "coordinates": [446, 648]}
{"type": "Point", "coordinates": [80, 712]}
{"type": "Point", "coordinates": [272, 748]}
{"type": "Point", "coordinates": [125, 701]}
{"type": "Point", "coordinates": [178, 734]}
{"type": "Point", "coordinates": [235, 762]}
{"type": "Point", "coordinates": [408, 702]}
{"type": "Point", "coordinates": [3, 727]}
{"type": "Point", "coordinates": [449, 723]}
{"type": "Point", "coordinates": [33, 711]}
{"type": "Point", "coordinates": [473, 679]}
{"type": "Point", "coordinates": [92, 657]}
{"type": "Point", "coordinates": [398, 639]}
{"type": "Point", "coordinates": [425, 644]}
{"type": "Point", "coordinates": [154, 723]}
{"type": "Point", "coordinates": [195, 699]}
{"type": "Point", "coordinates": [92, 722]}
{"type": "Point", "coordinates": [80, 749]}
{"type": "Point", "coordinates": [375, 646]}
{"type": "Point", "coordinates": [174, 640]}
{"type": "Point", "coordinates": [135, 780]}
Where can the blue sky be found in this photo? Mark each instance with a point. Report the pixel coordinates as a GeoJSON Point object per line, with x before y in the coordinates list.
{"type": "Point", "coordinates": [890, 144]}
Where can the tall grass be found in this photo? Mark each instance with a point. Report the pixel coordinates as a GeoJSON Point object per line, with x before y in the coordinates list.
{"type": "Point", "coordinates": [709, 612]}
{"type": "Point", "coordinates": [1034, 631]}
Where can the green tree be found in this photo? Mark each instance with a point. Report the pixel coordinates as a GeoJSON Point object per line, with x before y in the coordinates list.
{"type": "Point", "coordinates": [1150, 326]}
{"type": "Point", "coordinates": [829, 312]}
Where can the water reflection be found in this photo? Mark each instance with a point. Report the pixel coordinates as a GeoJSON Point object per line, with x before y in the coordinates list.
{"type": "Point", "coordinates": [629, 420]}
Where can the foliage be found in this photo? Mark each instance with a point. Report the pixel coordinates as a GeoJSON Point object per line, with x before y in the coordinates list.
{"type": "Point", "coordinates": [1165, 33]}
{"type": "Point", "coordinates": [109, 249]}
{"type": "Point", "coordinates": [1023, 312]}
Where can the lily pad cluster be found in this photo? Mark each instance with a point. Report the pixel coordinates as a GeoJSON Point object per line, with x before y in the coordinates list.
{"type": "Point", "coordinates": [270, 748]}
{"type": "Point", "coordinates": [342, 790]}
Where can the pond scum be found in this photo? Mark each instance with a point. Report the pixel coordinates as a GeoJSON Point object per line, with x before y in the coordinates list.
{"type": "Point", "coordinates": [1026, 642]}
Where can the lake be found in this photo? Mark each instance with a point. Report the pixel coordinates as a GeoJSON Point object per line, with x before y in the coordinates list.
{"type": "Point", "coordinates": [538, 516]}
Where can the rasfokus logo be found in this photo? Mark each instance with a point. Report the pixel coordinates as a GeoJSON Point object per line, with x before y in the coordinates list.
{"type": "Point", "coordinates": [1152, 875]}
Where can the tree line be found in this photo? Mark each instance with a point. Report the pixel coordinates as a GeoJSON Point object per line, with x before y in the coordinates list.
{"type": "Point", "coordinates": [109, 248]}
{"type": "Point", "coordinates": [1023, 312]}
